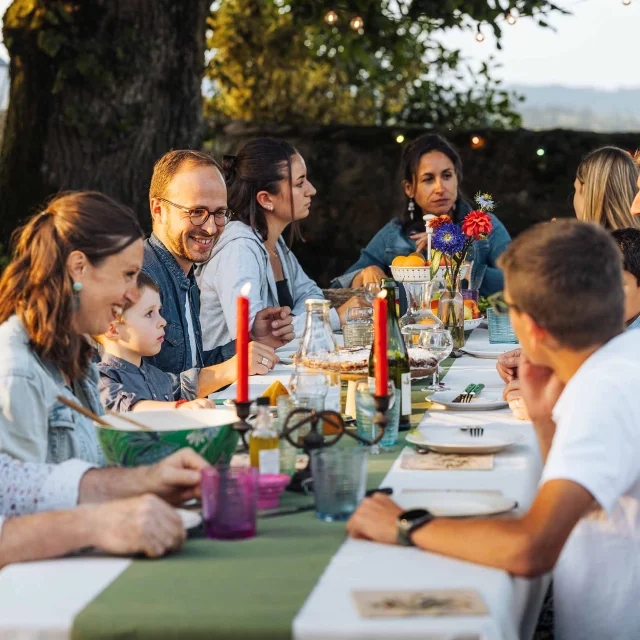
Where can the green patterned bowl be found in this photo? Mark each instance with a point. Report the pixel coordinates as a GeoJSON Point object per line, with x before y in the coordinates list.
{"type": "Point", "coordinates": [207, 431]}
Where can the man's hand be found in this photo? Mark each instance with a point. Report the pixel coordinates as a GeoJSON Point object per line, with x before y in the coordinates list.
{"type": "Point", "coordinates": [137, 525]}
{"type": "Point", "coordinates": [375, 519]}
{"type": "Point", "coordinates": [507, 365]}
{"type": "Point", "coordinates": [368, 274]}
{"type": "Point", "coordinates": [261, 359]}
{"type": "Point", "coordinates": [273, 326]}
{"type": "Point", "coordinates": [351, 302]}
{"type": "Point", "coordinates": [176, 479]}
{"type": "Point", "coordinates": [540, 388]}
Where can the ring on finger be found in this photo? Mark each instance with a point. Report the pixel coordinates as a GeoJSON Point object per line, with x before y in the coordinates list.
{"type": "Point", "coordinates": [265, 362]}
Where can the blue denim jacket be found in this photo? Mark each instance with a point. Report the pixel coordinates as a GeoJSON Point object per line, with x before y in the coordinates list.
{"type": "Point", "coordinates": [34, 425]}
{"type": "Point", "coordinates": [391, 242]}
{"type": "Point", "coordinates": [175, 286]}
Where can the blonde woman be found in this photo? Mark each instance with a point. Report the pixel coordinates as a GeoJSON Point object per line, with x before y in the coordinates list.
{"type": "Point", "coordinates": [605, 187]}
{"type": "Point", "coordinates": [606, 192]}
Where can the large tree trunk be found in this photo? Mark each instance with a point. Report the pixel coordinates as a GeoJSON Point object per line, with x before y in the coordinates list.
{"type": "Point", "coordinates": [100, 89]}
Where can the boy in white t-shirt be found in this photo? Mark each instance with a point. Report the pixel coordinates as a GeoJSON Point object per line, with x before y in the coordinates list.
{"type": "Point", "coordinates": [581, 381]}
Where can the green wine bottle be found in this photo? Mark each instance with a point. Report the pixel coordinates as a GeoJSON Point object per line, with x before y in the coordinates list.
{"type": "Point", "coordinates": [399, 369]}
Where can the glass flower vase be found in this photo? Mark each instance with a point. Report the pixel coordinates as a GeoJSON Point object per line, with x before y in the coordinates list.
{"type": "Point", "coordinates": [451, 312]}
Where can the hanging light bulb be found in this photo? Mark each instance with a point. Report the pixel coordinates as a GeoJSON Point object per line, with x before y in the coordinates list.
{"type": "Point", "coordinates": [479, 35]}
{"type": "Point", "coordinates": [357, 23]}
{"type": "Point", "coordinates": [331, 17]}
{"type": "Point", "coordinates": [511, 18]}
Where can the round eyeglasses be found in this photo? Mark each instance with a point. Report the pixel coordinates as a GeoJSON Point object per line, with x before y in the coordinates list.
{"type": "Point", "coordinates": [199, 215]}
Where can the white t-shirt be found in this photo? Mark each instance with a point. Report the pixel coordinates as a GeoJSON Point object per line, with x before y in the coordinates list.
{"type": "Point", "coordinates": [597, 445]}
{"type": "Point", "coordinates": [192, 335]}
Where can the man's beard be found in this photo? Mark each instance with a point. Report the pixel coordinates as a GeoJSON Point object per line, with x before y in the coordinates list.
{"type": "Point", "coordinates": [181, 249]}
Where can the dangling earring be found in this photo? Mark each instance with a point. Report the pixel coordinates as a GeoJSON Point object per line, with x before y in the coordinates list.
{"type": "Point", "coordinates": [77, 288]}
{"type": "Point", "coordinates": [411, 208]}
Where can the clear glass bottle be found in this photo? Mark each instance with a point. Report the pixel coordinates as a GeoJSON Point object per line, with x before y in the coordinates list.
{"type": "Point", "coordinates": [264, 444]}
{"type": "Point", "coordinates": [399, 368]}
{"type": "Point", "coordinates": [318, 350]}
{"type": "Point", "coordinates": [451, 312]}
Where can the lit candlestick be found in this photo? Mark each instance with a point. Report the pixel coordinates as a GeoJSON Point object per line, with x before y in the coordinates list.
{"type": "Point", "coordinates": [381, 370]}
{"type": "Point", "coordinates": [242, 344]}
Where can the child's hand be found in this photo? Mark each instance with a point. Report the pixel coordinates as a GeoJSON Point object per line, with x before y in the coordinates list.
{"type": "Point", "coordinates": [198, 403]}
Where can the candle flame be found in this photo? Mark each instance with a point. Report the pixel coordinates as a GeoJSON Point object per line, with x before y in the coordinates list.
{"type": "Point", "coordinates": [383, 294]}
{"type": "Point", "coordinates": [246, 289]}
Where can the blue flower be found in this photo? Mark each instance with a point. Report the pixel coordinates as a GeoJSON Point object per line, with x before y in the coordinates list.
{"type": "Point", "coordinates": [448, 239]}
{"type": "Point", "coordinates": [485, 201]}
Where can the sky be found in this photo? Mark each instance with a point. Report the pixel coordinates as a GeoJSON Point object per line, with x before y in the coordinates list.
{"type": "Point", "coordinates": [597, 47]}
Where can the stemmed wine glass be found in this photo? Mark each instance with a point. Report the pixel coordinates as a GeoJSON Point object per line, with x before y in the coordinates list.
{"type": "Point", "coordinates": [439, 342]}
{"type": "Point", "coordinates": [371, 290]}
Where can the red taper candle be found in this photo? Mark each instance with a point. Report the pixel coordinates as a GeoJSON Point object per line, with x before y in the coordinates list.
{"type": "Point", "coordinates": [381, 369]}
{"type": "Point", "coordinates": [242, 344]}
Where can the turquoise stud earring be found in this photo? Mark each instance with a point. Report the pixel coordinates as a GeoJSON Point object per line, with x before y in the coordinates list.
{"type": "Point", "coordinates": [77, 287]}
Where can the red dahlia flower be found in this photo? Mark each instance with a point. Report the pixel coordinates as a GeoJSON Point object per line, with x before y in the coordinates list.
{"type": "Point", "coordinates": [436, 223]}
{"type": "Point", "coordinates": [477, 224]}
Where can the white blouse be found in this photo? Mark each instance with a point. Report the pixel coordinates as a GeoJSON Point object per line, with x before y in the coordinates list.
{"type": "Point", "coordinates": [30, 487]}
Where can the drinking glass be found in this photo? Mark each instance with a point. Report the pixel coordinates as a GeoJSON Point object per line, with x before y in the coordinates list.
{"type": "Point", "coordinates": [371, 291]}
{"type": "Point", "coordinates": [229, 501]}
{"type": "Point", "coordinates": [339, 481]}
{"type": "Point", "coordinates": [358, 332]}
{"type": "Point", "coordinates": [439, 342]}
{"type": "Point", "coordinates": [360, 315]}
{"type": "Point", "coordinates": [366, 410]}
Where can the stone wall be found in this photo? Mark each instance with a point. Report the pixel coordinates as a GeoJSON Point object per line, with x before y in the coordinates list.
{"type": "Point", "coordinates": [356, 173]}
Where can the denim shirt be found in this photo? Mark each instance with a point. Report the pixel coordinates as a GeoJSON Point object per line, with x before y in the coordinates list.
{"type": "Point", "coordinates": [391, 241]}
{"type": "Point", "coordinates": [175, 355]}
{"type": "Point", "coordinates": [122, 384]}
{"type": "Point", "coordinates": [34, 426]}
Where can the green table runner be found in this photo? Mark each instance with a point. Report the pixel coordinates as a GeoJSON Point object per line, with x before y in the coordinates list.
{"type": "Point", "coordinates": [236, 590]}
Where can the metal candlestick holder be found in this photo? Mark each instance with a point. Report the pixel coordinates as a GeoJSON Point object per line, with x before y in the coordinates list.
{"type": "Point", "coordinates": [243, 410]}
{"type": "Point", "coordinates": [315, 439]}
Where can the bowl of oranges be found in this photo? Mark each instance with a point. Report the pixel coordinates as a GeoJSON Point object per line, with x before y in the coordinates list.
{"type": "Point", "coordinates": [411, 268]}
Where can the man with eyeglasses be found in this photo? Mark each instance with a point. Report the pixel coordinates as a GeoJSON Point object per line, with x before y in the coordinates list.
{"type": "Point", "coordinates": [188, 201]}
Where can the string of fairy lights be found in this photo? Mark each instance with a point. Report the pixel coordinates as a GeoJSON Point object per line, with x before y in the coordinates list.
{"type": "Point", "coordinates": [511, 17]}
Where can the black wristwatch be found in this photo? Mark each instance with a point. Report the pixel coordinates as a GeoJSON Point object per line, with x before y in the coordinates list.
{"type": "Point", "coordinates": [409, 521]}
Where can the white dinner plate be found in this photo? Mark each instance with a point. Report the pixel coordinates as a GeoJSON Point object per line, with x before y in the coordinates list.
{"type": "Point", "coordinates": [190, 519]}
{"type": "Point", "coordinates": [454, 440]}
{"type": "Point", "coordinates": [455, 504]}
{"type": "Point", "coordinates": [485, 401]}
{"type": "Point", "coordinates": [470, 325]}
{"type": "Point", "coordinates": [490, 351]}
{"type": "Point", "coordinates": [252, 409]}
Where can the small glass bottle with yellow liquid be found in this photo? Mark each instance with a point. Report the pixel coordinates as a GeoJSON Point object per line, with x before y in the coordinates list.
{"type": "Point", "coordinates": [264, 444]}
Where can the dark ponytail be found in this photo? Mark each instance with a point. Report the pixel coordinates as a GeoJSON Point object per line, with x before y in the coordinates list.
{"type": "Point", "coordinates": [260, 165]}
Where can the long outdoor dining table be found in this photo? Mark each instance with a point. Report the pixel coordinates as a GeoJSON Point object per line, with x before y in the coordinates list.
{"type": "Point", "coordinates": [296, 577]}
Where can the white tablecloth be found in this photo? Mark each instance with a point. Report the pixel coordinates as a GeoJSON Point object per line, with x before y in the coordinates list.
{"type": "Point", "coordinates": [40, 600]}
{"type": "Point", "coordinates": [514, 603]}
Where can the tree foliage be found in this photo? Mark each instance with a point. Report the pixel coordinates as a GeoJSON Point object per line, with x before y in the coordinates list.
{"type": "Point", "coordinates": [279, 60]}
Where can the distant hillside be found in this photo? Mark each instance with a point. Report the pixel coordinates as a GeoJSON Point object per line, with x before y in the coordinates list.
{"type": "Point", "coordinates": [550, 107]}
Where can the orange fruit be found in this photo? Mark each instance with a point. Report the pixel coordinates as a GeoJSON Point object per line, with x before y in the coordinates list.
{"type": "Point", "coordinates": [414, 260]}
{"type": "Point", "coordinates": [399, 261]}
{"type": "Point", "coordinates": [274, 390]}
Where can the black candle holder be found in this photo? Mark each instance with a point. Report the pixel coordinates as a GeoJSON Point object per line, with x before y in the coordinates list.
{"type": "Point", "coordinates": [243, 410]}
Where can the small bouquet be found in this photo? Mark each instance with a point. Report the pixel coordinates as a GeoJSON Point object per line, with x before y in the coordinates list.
{"type": "Point", "coordinates": [453, 244]}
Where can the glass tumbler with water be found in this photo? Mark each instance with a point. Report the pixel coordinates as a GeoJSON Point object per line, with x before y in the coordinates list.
{"type": "Point", "coordinates": [339, 481]}
{"type": "Point", "coordinates": [366, 411]}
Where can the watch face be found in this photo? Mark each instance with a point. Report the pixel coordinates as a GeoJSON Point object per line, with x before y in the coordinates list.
{"type": "Point", "coordinates": [413, 514]}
